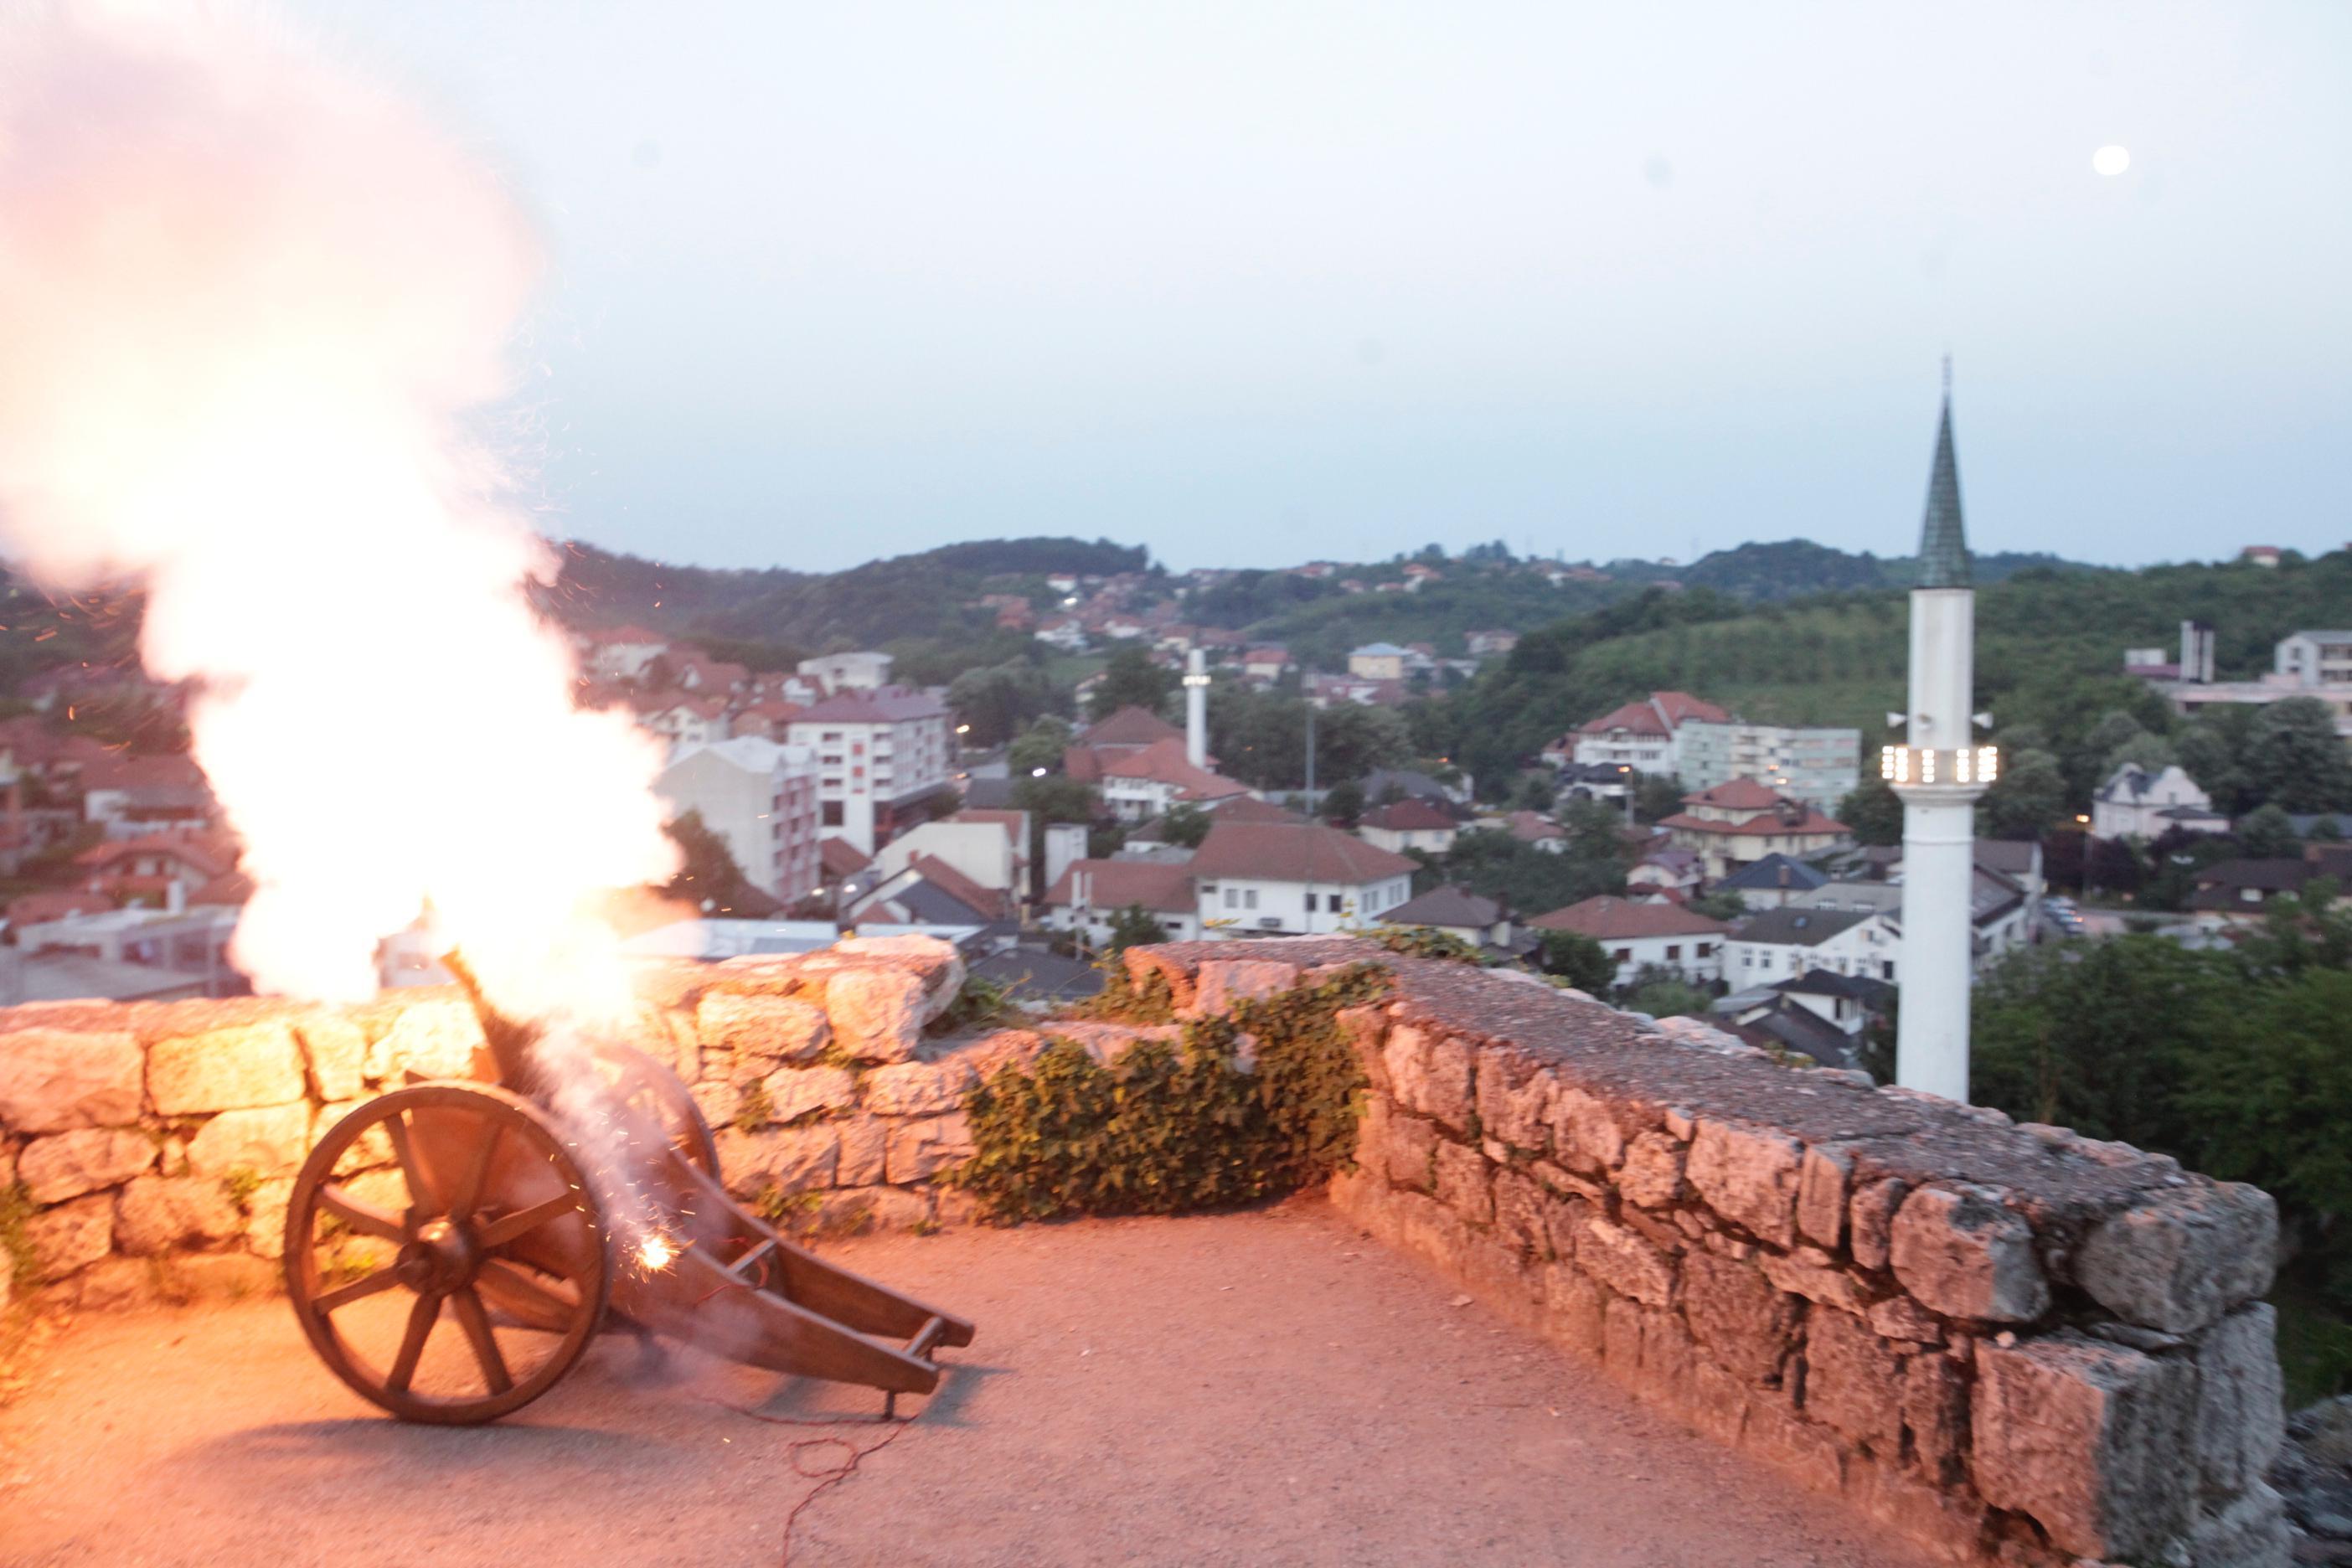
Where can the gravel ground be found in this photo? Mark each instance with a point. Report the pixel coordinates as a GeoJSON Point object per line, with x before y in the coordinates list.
{"type": "Point", "coordinates": [1257, 1388]}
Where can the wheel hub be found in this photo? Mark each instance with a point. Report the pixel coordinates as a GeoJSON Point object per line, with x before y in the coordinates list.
{"type": "Point", "coordinates": [441, 1257]}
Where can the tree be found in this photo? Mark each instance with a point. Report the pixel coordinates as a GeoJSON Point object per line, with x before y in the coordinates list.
{"type": "Point", "coordinates": [2153, 752]}
{"type": "Point", "coordinates": [1720, 906]}
{"type": "Point", "coordinates": [1343, 802]}
{"type": "Point", "coordinates": [1577, 959]}
{"type": "Point", "coordinates": [2027, 799]}
{"type": "Point", "coordinates": [1657, 796]}
{"type": "Point", "coordinates": [708, 877]}
{"type": "Point", "coordinates": [1494, 865]}
{"type": "Point", "coordinates": [997, 701]}
{"type": "Point", "coordinates": [1134, 926]}
{"type": "Point", "coordinates": [1185, 827]}
{"type": "Point", "coordinates": [1039, 746]}
{"type": "Point", "coordinates": [2294, 759]}
{"type": "Point", "coordinates": [2114, 866]}
{"type": "Point", "coordinates": [1874, 812]}
{"type": "Point", "coordinates": [1663, 993]}
{"type": "Point", "coordinates": [2265, 834]}
{"type": "Point", "coordinates": [1537, 790]}
{"type": "Point", "coordinates": [1131, 680]}
{"type": "Point", "coordinates": [2213, 752]}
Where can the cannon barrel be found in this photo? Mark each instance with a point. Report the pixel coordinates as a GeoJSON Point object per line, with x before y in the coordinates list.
{"type": "Point", "coordinates": [510, 1042]}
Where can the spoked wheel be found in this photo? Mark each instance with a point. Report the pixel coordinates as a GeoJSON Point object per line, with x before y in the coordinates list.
{"type": "Point", "coordinates": [473, 1211]}
{"type": "Point", "coordinates": [656, 1095]}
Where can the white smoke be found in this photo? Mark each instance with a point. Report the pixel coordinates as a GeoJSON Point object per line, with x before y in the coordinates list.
{"type": "Point", "coordinates": [248, 304]}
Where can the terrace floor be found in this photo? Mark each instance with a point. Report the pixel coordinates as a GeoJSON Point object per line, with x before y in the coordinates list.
{"type": "Point", "coordinates": [1255, 1388]}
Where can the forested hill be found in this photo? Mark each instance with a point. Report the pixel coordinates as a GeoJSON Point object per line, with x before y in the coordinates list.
{"type": "Point", "coordinates": [1788, 568]}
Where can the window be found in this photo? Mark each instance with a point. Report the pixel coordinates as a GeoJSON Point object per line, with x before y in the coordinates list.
{"type": "Point", "coordinates": [1674, 951]}
{"type": "Point", "coordinates": [1249, 898]}
{"type": "Point", "coordinates": [1625, 955]}
{"type": "Point", "coordinates": [1233, 897]}
{"type": "Point", "coordinates": [1706, 950]}
{"type": "Point", "coordinates": [830, 813]}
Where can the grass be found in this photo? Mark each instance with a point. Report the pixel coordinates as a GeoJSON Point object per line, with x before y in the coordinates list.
{"type": "Point", "coordinates": [2314, 1345]}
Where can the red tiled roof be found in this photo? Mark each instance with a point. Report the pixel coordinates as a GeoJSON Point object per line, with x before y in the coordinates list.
{"type": "Point", "coordinates": [1609, 919]}
{"type": "Point", "coordinates": [1530, 828]}
{"type": "Point", "coordinates": [1130, 726]}
{"type": "Point", "coordinates": [1736, 794]}
{"type": "Point", "coordinates": [1295, 852]}
{"type": "Point", "coordinates": [1406, 816]}
{"type": "Point", "coordinates": [986, 902]}
{"type": "Point", "coordinates": [34, 908]}
{"type": "Point", "coordinates": [891, 705]}
{"type": "Point", "coordinates": [1762, 825]}
{"type": "Point", "coordinates": [123, 770]}
{"type": "Point", "coordinates": [202, 856]}
{"type": "Point", "coordinates": [1660, 713]}
{"type": "Point", "coordinates": [1163, 761]}
{"type": "Point", "coordinates": [840, 858]}
{"type": "Point", "coordinates": [1115, 884]}
{"type": "Point", "coordinates": [232, 889]}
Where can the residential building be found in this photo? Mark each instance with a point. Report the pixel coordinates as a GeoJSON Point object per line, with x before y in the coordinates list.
{"type": "Point", "coordinates": [1140, 763]}
{"type": "Point", "coordinates": [881, 756]}
{"type": "Point", "coordinates": [1816, 765]}
{"type": "Point", "coordinates": [1597, 781]}
{"type": "Point", "coordinates": [1773, 882]}
{"type": "Point", "coordinates": [2138, 803]}
{"type": "Point", "coordinates": [1382, 786]}
{"type": "Point", "coordinates": [1779, 944]}
{"type": "Point", "coordinates": [762, 799]}
{"type": "Point", "coordinates": [981, 853]}
{"type": "Point", "coordinates": [134, 795]}
{"type": "Point", "coordinates": [158, 868]}
{"type": "Point", "coordinates": [1533, 827]}
{"type": "Point", "coordinates": [926, 890]}
{"type": "Point", "coordinates": [1262, 666]}
{"type": "Point", "coordinates": [1089, 894]}
{"type": "Point", "coordinates": [1377, 661]}
{"type": "Point", "coordinates": [620, 653]}
{"type": "Point", "coordinates": [1739, 823]}
{"type": "Point", "coordinates": [1639, 735]}
{"type": "Point", "coordinates": [1639, 936]}
{"type": "Point", "coordinates": [1480, 921]}
{"type": "Point", "coordinates": [2245, 887]}
{"type": "Point", "coordinates": [1063, 632]}
{"type": "Point", "coordinates": [843, 672]}
{"type": "Point", "coordinates": [1298, 879]}
{"type": "Point", "coordinates": [687, 720]}
{"type": "Point", "coordinates": [1408, 825]}
{"type": "Point", "coordinates": [2315, 658]}
{"type": "Point", "coordinates": [2314, 664]}
{"type": "Point", "coordinates": [1664, 872]}
{"type": "Point", "coordinates": [124, 955]}
{"type": "Point", "coordinates": [1486, 644]}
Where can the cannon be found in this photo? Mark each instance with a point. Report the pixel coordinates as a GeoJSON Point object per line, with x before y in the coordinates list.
{"type": "Point", "coordinates": [448, 1255]}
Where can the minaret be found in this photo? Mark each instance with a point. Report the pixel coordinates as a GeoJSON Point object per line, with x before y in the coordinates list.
{"type": "Point", "coordinates": [1939, 774]}
{"type": "Point", "coordinates": [1196, 709]}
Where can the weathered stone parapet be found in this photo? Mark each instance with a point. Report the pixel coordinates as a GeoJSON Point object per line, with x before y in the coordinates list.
{"type": "Point", "coordinates": [2011, 1344]}
{"type": "Point", "coordinates": [157, 1142]}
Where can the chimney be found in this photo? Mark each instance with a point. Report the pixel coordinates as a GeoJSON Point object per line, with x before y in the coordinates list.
{"type": "Point", "coordinates": [1196, 709]}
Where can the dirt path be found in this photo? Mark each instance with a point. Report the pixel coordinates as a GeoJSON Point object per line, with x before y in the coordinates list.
{"type": "Point", "coordinates": [1259, 1389]}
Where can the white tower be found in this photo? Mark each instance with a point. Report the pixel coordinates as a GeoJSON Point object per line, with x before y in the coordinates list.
{"type": "Point", "coordinates": [1196, 709]}
{"type": "Point", "coordinates": [1939, 774]}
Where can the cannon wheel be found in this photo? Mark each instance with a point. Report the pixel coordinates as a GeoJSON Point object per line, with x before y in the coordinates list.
{"type": "Point", "coordinates": [645, 1086]}
{"type": "Point", "coordinates": [498, 1216]}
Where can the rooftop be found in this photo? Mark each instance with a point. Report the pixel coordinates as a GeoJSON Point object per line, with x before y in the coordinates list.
{"type": "Point", "coordinates": [1799, 928]}
{"type": "Point", "coordinates": [1445, 907]}
{"type": "Point", "coordinates": [1295, 852]}
{"type": "Point", "coordinates": [1607, 918]}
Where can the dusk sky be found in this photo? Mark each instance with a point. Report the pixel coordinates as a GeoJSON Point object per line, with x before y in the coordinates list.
{"type": "Point", "coordinates": [1260, 282]}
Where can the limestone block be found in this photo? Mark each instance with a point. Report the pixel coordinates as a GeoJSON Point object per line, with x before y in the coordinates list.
{"type": "Point", "coordinates": [1901, 1318]}
{"type": "Point", "coordinates": [2180, 1258]}
{"type": "Point", "coordinates": [1813, 1273]}
{"type": "Point", "coordinates": [1572, 1308]}
{"type": "Point", "coordinates": [265, 1140]}
{"type": "Point", "coordinates": [2090, 1439]}
{"type": "Point", "coordinates": [1872, 1217]}
{"type": "Point", "coordinates": [795, 1092]}
{"type": "Point", "coordinates": [159, 1214]}
{"type": "Point", "coordinates": [758, 1032]}
{"type": "Point", "coordinates": [1935, 1411]}
{"type": "Point", "coordinates": [2251, 1531]}
{"type": "Point", "coordinates": [438, 1038]}
{"type": "Point", "coordinates": [1821, 1183]}
{"type": "Point", "coordinates": [790, 1159]}
{"type": "Point", "coordinates": [1110, 1043]}
{"type": "Point", "coordinates": [1431, 1075]}
{"type": "Point", "coordinates": [83, 1161]}
{"type": "Point", "coordinates": [265, 1217]}
{"type": "Point", "coordinates": [919, 1089]}
{"type": "Point", "coordinates": [1564, 1223]}
{"type": "Point", "coordinates": [1584, 1132]}
{"type": "Point", "coordinates": [877, 1013]}
{"type": "Point", "coordinates": [221, 1277]}
{"type": "Point", "coordinates": [2240, 1408]}
{"type": "Point", "coordinates": [54, 1081]}
{"type": "Point", "coordinates": [114, 1284]}
{"type": "Point", "coordinates": [335, 1048]}
{"type": "Point", "coordinates": [1748, 1175]}
{"type": "Point", "coordinates": [1222, 983]}
{"type": "Point", "coordinates": [1924, 1509]}
{"type": "Point", "coordinates": [1962, 1254]}
{"type": "Point", "coordinates": [853, 1211]}
{"type": "Point", "coordinates": [1366, 1029]}
{"type": "Point", "coordinates": [1653, 1175]}
{"type": "Point", "coordinates": [1747, 1326]}
{"type": "Point", "coordinates": [1519, 1216]}
{"type": "Point", "coordinates": [1853, 1381]}
{"type": "Point", "coordinates": [1812, 1454]}
{"type": "Point", "coordinates": [1412, 1153]}
{"type": "Point", "coordinates": [864, 1139]}
{"type": "Point", "coordinates": [71, 1236]}
{"type": "Point", "coordinates": [1515, 1099]}
{"type": "Point", "coordinates": [1462, 1181]}
{"type": "Point", "coordinates": [927, 1144]}
{"type": "Point", "coordinates": [1626, 1262]}
{"type": "Point", "coordinates": [718, 1100]}
{"type": "Point", "coordinates": [936, 966]}
{"type": "Point", "coordinates": [1718, 1402]}
{"type": "Point", "coordinates": [994, 1052]}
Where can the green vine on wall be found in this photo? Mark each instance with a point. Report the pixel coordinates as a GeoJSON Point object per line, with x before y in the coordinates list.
{"type": "Point", "coordinates": [1172, 1127]}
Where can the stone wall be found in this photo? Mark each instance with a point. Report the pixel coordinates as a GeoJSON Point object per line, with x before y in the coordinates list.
{"type": "Point", "coordinates": [157, 1142]}
{"type": "Point", "coordinates": [2008, 1343]}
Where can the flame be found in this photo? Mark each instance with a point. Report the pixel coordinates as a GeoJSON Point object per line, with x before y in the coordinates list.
{"type": "Point", "coordinates": [656, 1253]}
{"type": "Point", "coordinates": [250, 311]}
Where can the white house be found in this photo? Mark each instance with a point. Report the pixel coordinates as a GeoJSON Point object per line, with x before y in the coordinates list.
{"type": "Point", "coordinates": [849, 671]}
{"type": "Point", "coordinates": [1408, 825]}
{"type": "Point", "coordinates": [1088, 893]}
{"type": "Point", "coordinates": [687, 720]}
{"type": "Point", "coordinates": [880, 755]}
{"type": "Point", "coordinates": [1638, 936]}
{"type": "Point", "coordinates": [1639, 735]}
{"type": "Point", "coordinates": [2137, 803]}
{"type": "Point", "coordinates": [1779, 944]}
{"type": "Point", "coordinates": [1294, 879]}
{"type": "Point", "coordinates": [982, 851]}
{"type": "Point", "coordinates": [2315, 658]}
{"type": "Point", "coordinates": [761, 798]}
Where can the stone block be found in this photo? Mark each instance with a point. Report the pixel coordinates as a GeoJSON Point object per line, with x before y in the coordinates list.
{"type": "Point", "coordinates": [797, 1092]}
{"type": "Point", "coordinates": [1901, 1318]}
{"type": "Point", "coordinates": [69, 1165]}
{"type": "Point", "coordinates": [2250, 1532]}
{"type": "Point", "coordinates": [920, 1089]}
{"type": "Point", "coordinates": [55, 1081]}
{"type": "Point", "coordinates": [265, 1217]}
{"type": "Point", "coordinates": [790, 1159]}
{"type": "Point", "coordinates": [1951, 1519]}
{"type": "Point", "coordinates": [2241, 1414]}
{"type": "Point", "coordinates": [113, 1285]}
{"type": "Point", "coordinates": [925, 1145]}
{"type": "Point", "coordinates": [1961, 1253]}
{"type": "Point", "coordinates": [371, 1150]}
{"type": "Point", "coordinates": [1719, 1403]}
{"type": "Point", "coordinates": [2180, 1258]}
{"type": "Point", "coordinates": [759, 1032]}
{"type": "Point", "coordinates": [877, 1014]}
{"type": "Point", "coordinates": [1821, 1183]}
{"type": "Point", "coordinates": [1412, 1153]}
{"type": "Point", "coordinates": [221, 1277]}
{"type": "Point", "coordinates": [718, 1100]}
{"type": "Point", "coordinates": [1811, 1454]}
{"type": "Point", "coordinates": [1813, 1273]}
{"type": "Point", "coordinates": [437, 1037]}
{"type": "Point", "coordinates": [1853, 1381]}
{"type": "Point", "coordinates": [1431, 1075]}
{"type": "Point", "coordinates": [1563, 1221]}
{"type": "Point", "coordinates": [1935, 1411]}
{"type": "Point", "coordinates": [265, 1140]}
{"type": "Point", "coordinates": [864, 1142]}
{"type": "Point", "coordinates": [1747, 1326]}
{"type": "Point", "coordinates": [1626, 1262]}
{"type": "Point", "coordinates": [1871, 1217]}
{"type": "Point", "coordinates": [2091, 1439]}
{"type": "Point", "coordinates": [1366, 1029]}
{"type": "Point", "coordinates": [1653, 1175]}
{"type": "Point", "coordinates": [1000, 1049]}
{"type": "Point", "coordinates": [72, 1235]}
{"type": "Point", "coordinates": [1748, 1175]}
{"type": "Point", "coordinates": [1462, 1181]}
{"type": "Point", "coordinates": [854, 1211]}
{"type": "Point", "coordinates": [163, 1213]}
{"type": "Point", "coordinates": [335, 1048]}
{"type": "Point", "coordinates": [1584, 1132]}
{"type": "Point", "coordinates": [1515, 1099]}
{"type": "Point", "coordinates": [1519, 1217]}
{"type": "Point", "coordinates": [1220, 982]}
{"type": "Point", "coordinates": [1573, 1308]}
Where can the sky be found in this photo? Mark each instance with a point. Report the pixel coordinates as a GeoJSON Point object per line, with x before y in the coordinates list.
{"type": "Point", "coordinates": [1259, 282]}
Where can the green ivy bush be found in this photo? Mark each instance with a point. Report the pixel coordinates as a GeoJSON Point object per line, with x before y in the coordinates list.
{"type": "Point", "coordinates": [1173, 1127]}
{"type": "Point", "coordinates": [1425, 942]}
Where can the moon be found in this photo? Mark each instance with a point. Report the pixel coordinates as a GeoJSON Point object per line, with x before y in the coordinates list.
{"type": "Point", "coordinates": [2111, 161]}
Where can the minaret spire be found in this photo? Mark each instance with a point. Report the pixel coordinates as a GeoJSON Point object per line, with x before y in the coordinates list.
{"type": "Point", "coordinates": [1943, 544]}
